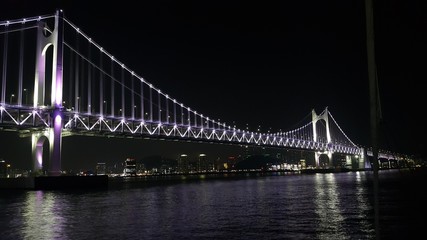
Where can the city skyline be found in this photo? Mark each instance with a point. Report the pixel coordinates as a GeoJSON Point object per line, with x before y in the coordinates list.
{"type": "Point", "coordinates": [258, 65]}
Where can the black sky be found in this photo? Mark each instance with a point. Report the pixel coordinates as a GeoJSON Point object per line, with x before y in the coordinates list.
{"type": "Point", "coordinates": [265, 63]}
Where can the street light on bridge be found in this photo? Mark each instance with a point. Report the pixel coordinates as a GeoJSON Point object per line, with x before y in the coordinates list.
{"type": "Point", "coordinates": [11, 98]}
{"type": "Point", "coordinates": [105, 107]}
{"type": "Point", "coordinates": [78, 104]}
{"type": "Point", "coordinates": [26, 95]}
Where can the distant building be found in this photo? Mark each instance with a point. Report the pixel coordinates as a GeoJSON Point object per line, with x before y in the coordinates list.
{"type": "Point", "coordinates": [302, 164]}
{"type": "Point", "coordinates": [101, 169]}
{"type": "Point", "coordinates": [202, 164]}
{"type": "Point", "coordinates": [183, 163]}
{"type": "Point", "coordinates": [129, 167]}
{"type": "Point", "coordinates": [3, 169]}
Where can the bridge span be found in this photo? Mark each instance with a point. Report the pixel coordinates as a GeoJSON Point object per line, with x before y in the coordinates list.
{"type": "Point", "coordinates": [76, 87]}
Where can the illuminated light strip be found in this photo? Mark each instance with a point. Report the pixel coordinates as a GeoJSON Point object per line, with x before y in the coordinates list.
{"type": "Point", "coordinates": [216, 135]}
{"type": "Point", "coordinates": [127, 126]}
{"type": "Point", "coordinates": [157, 128]}
{"type": "Point", "coordinates": [170, 132]}
{"type": "Point", "coordinates": [248, 140]}
{"type": "Point", "coordinates": [138, 127]}
{"type": "Point", "coordinates": [25, 119]}
{"type": "Point", "coordinates": [118, 125]}
{"type": "Point", "coordinates": [25, 20]}
{"type": "Point", "coordinates": [255, 140]}
{"type": "Point", "coordinates": [268, 141]}
{"type": "Point", "coordinates": [274, 141]}
{"type": "Point", "coordinates": [115, 128]}
{"type": "Point", "coordinates": [106, 124]}
{"type": "Point", "coordinates": [190, 132]}
{"type": "Point", "coordinates": [78, 118]}
{"type": "Point", "coordinates": [184, 133]}
{"type": "Point", "coordinates": [179, 132]}
{"type": "Point", "coordinates": [148, 130]}
{"type": "Point", "coordinates": [241, 138]}
{"type": "Point", "coordinates": [13, 119]}
{"type": "Point", "coordinates": [206, 134]}
{"type": "Point", "coordinates": [68, 123]}
{"type": "Point", "coordinates": [197, 135]}
{"type": "Point", "coordinates": [141, 126]}
{"type": "Point", "coordinates": [228, 136]}
{"type": "Point", "coordinates": [212, 134]}
{"type": "Point", "coordinates": [203, 133]}
{"type": "Point", "coordinates": [230, 139]}
{"type": "Point", "coordinates": [236, 137]}
{"type": "Point", "coordinates": [45, 123]}
{"type": "Point", "coordinates": [96, 123]}
{"type": "Point", "coordinates": [261, 139]}
{"type": "Point", "coordinates": [144, 126]}
{"type": "Point", "coordinates": [223, 135]}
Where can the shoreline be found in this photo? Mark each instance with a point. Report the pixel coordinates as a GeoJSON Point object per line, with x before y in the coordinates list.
{"type": "Point", "coordinates": [109, 182]}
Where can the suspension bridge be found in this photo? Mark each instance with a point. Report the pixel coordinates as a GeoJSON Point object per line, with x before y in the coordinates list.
{"type": "Point", "coordinates": [57, 82]}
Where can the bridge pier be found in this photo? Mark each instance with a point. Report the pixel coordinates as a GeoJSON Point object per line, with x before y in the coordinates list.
{"type": "Point", "coordinates": [317, 158]}
{"type": "Point", "coordinates": [37, 142]}
{"type": "Point", "coordinates": [56, 144]}
{"type": "Point", "coordinates": [55, 141]}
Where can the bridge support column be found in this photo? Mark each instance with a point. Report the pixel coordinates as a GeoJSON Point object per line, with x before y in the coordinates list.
{"type": "Point", "coordinates": [37, 143]}
{"type": "Point", "coordinates": [317, 158]}
{"type": "Point", "coordinates": [323, 116]}
{"type": "Point", "coordinates": [55, 40]}
{"type": "Point", "coordinates": [348, 162]}
{"type": "Point", "coordinates": [55, 144]}
{"type": "Point", "coordinates": [362, 159]}
{"type": "Point", "coordinates": [37, 146]}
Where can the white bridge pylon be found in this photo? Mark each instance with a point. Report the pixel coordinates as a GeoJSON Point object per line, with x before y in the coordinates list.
{"type": "Point", "coordinates": [54, 134]}
{"type": "Point", "coordinates": [323, 116]}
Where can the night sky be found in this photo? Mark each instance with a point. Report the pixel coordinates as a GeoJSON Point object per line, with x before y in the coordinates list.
{"type": "Point", "coordinates": [266, 63]}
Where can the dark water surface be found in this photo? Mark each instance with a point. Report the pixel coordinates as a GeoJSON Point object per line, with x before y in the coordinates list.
{"type": "Point", "coordinates": [283, 206]}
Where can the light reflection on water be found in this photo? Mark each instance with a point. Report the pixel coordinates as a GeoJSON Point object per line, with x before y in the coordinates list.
{"type": "Point", "coordinates": [327, 207]}
{"type": "Point", "coordinates": [37, 216]}
{"type": "Point", "coordinates": [315, 206]}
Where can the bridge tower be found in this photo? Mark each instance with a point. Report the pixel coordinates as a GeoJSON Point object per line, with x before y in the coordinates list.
{"type": "Point", "coordinates": [46, 39]}
{"type": "Point", "coordinates": [315, 118]}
